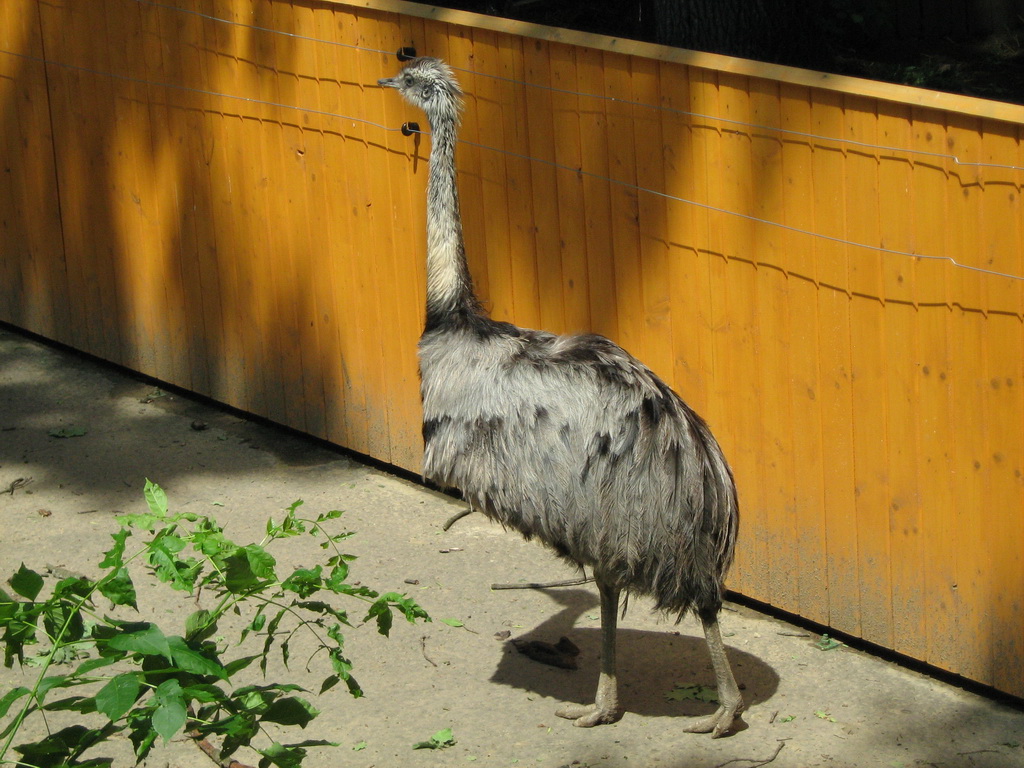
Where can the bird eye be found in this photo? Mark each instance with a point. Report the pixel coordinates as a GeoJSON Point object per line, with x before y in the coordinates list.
{"type": "Point", "coordinates": [408, 79]}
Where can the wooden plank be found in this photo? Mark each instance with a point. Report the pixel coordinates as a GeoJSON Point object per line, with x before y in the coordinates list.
{"type": "Point", "coordinates": [208, 336]}
{"type": "Point", "coordinates": [16, 32]}
{"type": "Point", "coordinates": [652, 220]}
{"type": "Point", "coordinates": [740, 356]}
{"type": "Point", "coordinates": [968, 365]}
{"type": "Point", "coordinates": [735, 319]}
{"type": "Point", "coordinates": [1000, 249]}
{"type": "Point", "coordinates": [33, 272]}
{"type": "Point", "coordinates": [829, 162]}
{"type": "Point", "coordinates": [540, 143]}
{"type": "Point", "coordinates": [402, 278]}
{"type": "Point", "coordinates": [908, 562]}
{"type": "Point", "coordinates": [871, 374]}
{"type": "Point", "coordinates": [153, 170]}
{"type": "Point", "coordinates": [235, 372]}
{"type": "Point", "coordinates": [570, 189]}
{"type": "Point", "coordinates": [485, 127]}
{"type": "Point", "coordinates": [772, 341]}
{"type": "Point", "coordinates": [685, 177]}
{"type": "Point", "coordinates": [374, 207]}
{"type": "Point", "coordinates": [623, 198]}
{"type": "Point", "coordinates": [273, 278]}
{"type": "Point", "coordinates": [805, 386]}
{"type": "Point", "coordinates": [77, 97]}
{"type": "Point", "coordinates": [299, 242]}
{"type": "Point", "coordinates": [237, 140]}
{"type": "Point", "coordinates": [192, 238]}
{"type": "Point", "coordinates": [939, 596]}
{"type": "Point", "coordinates": [515, 131]}
{"type": "Point", "coordinates": [341, 146]}
{"type": "Point", "coordinates": [597, 195]}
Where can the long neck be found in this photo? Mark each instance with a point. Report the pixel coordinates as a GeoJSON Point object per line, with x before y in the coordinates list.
{"type": "Point", "coordinates": [449, 285]}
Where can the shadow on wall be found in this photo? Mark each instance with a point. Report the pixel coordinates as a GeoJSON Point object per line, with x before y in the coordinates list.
{"type": "Point", "coordinates": [204, 240]}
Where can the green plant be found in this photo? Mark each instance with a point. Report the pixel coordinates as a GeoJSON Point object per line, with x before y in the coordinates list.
{"type": "Point", "coordinates": [440, 740]}
{"type": "Point", "coordinates": [133, 676]}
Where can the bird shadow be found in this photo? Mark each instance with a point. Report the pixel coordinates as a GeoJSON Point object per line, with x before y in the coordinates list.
{"type": "Point", "coordinates": [650, 663]}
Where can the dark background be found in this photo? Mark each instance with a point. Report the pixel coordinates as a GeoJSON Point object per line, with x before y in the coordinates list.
{"type": "Point", "coordinates": [973, 47]}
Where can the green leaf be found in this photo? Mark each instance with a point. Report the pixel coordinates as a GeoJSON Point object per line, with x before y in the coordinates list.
{"type": "Point", "coordinates": [26, 583]}
{"type": "Point", "coordinates": [192, 661]}
{"type": "Point", "coordinates": [440, 740]}
{"type": "Point", "coordinates": [169, 567]}
{"type": "Point", "coordinates": [304, 581]}
{"type": "Point", "coordinates": [338, 575]}
{"type": "Point", "coordinates": [236, 665]}
{"type": "Point", "coordinates": [141, 732]}
{"type": "Point", "coordinates": [149, 641]}
{"type": "Point", "coordinates": [47, 684]}
{"type": "Point", "coordinates": [238, 730]}
{"type": "Point", "coordinates": [119, 589]}
{"type": "Point", "coordinates": [8, 608]}
{"type": "Point", "coordinates": [155, 498]}
{"type": "Point", "coordinates": [319, 606]}
{"type": "Point", "coordinates": [71, 431]}
{"type": "Point", "coordinates": [261, 562]}
{"type": "Point", "coordinates": [290, 711]}
{"type": "Point", "coordinates": [281, 756]}
{"type": "Point", "coordinates": [170, 714]}
{"type": "Point", "coordinates": [142, 521]}
{"type": "Point", "coordinates": [88, 666]}
{"type": "Point", "coordinates": [407, 606]}
{"type": "Point", "coordinates": [119, 695]}
{"type": "Point", "coordinates": [453, 622]}
{"type": "Point", "coordinates": [200, 625]}
{"type": "Point", "coordinates": [114, 557]}
{"type": "Point", "coordinates": [204, 693]}
{"type": "Point", "coordinates": [359, 746]}
{"type": "Point", "coordinates": [238, 573]}
{"type": "Point", "coordinates": [10, 697]}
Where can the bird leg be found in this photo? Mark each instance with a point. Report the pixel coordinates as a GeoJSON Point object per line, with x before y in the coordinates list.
{"type": "Point", "coordinates": [729, 699]}
{"type": "Point", "coordinates": [605, 708]}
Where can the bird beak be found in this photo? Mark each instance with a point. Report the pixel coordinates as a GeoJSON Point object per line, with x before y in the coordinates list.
{"type": "Point", "coordinates": [387, 82]}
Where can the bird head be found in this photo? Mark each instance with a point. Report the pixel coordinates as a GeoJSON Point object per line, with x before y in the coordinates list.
{"type": "Point", "coordinates": [430, 85]}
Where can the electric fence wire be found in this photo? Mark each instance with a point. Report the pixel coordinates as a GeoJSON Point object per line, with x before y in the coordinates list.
{"type": "Point", "coordinates": [551, 163]}
{"type": "Point", "coordinates": [955, 159]}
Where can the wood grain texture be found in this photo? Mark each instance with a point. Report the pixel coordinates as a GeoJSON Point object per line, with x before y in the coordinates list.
{"type": "Point", "coordinates": [224, 201]}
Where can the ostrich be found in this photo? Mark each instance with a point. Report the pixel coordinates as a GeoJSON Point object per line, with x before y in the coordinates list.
{"type": "Point", "coordinates": [568, 439]}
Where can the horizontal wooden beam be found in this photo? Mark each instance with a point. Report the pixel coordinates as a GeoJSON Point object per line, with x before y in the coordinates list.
{"type": "Point", "coordinates": [856, 86]}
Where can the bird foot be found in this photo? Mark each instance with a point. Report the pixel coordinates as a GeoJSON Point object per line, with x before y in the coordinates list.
{"type": "Point", "coordinates": [717, 724]}
{"type": "Point", "coordinates": [584, 716]}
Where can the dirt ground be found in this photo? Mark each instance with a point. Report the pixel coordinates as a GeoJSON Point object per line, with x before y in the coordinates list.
{"type": "Point", "coordinates": [806, 707]}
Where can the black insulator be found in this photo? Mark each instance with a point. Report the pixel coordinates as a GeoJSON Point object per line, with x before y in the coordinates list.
{"type": "Point", "coordinates": [406, 53]}
{"type": "Point", "coordinates": [408, 129]}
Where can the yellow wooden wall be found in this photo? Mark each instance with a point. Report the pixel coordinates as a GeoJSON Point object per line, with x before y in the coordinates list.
{"type": "Point", "coordinates": [162, 210]}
